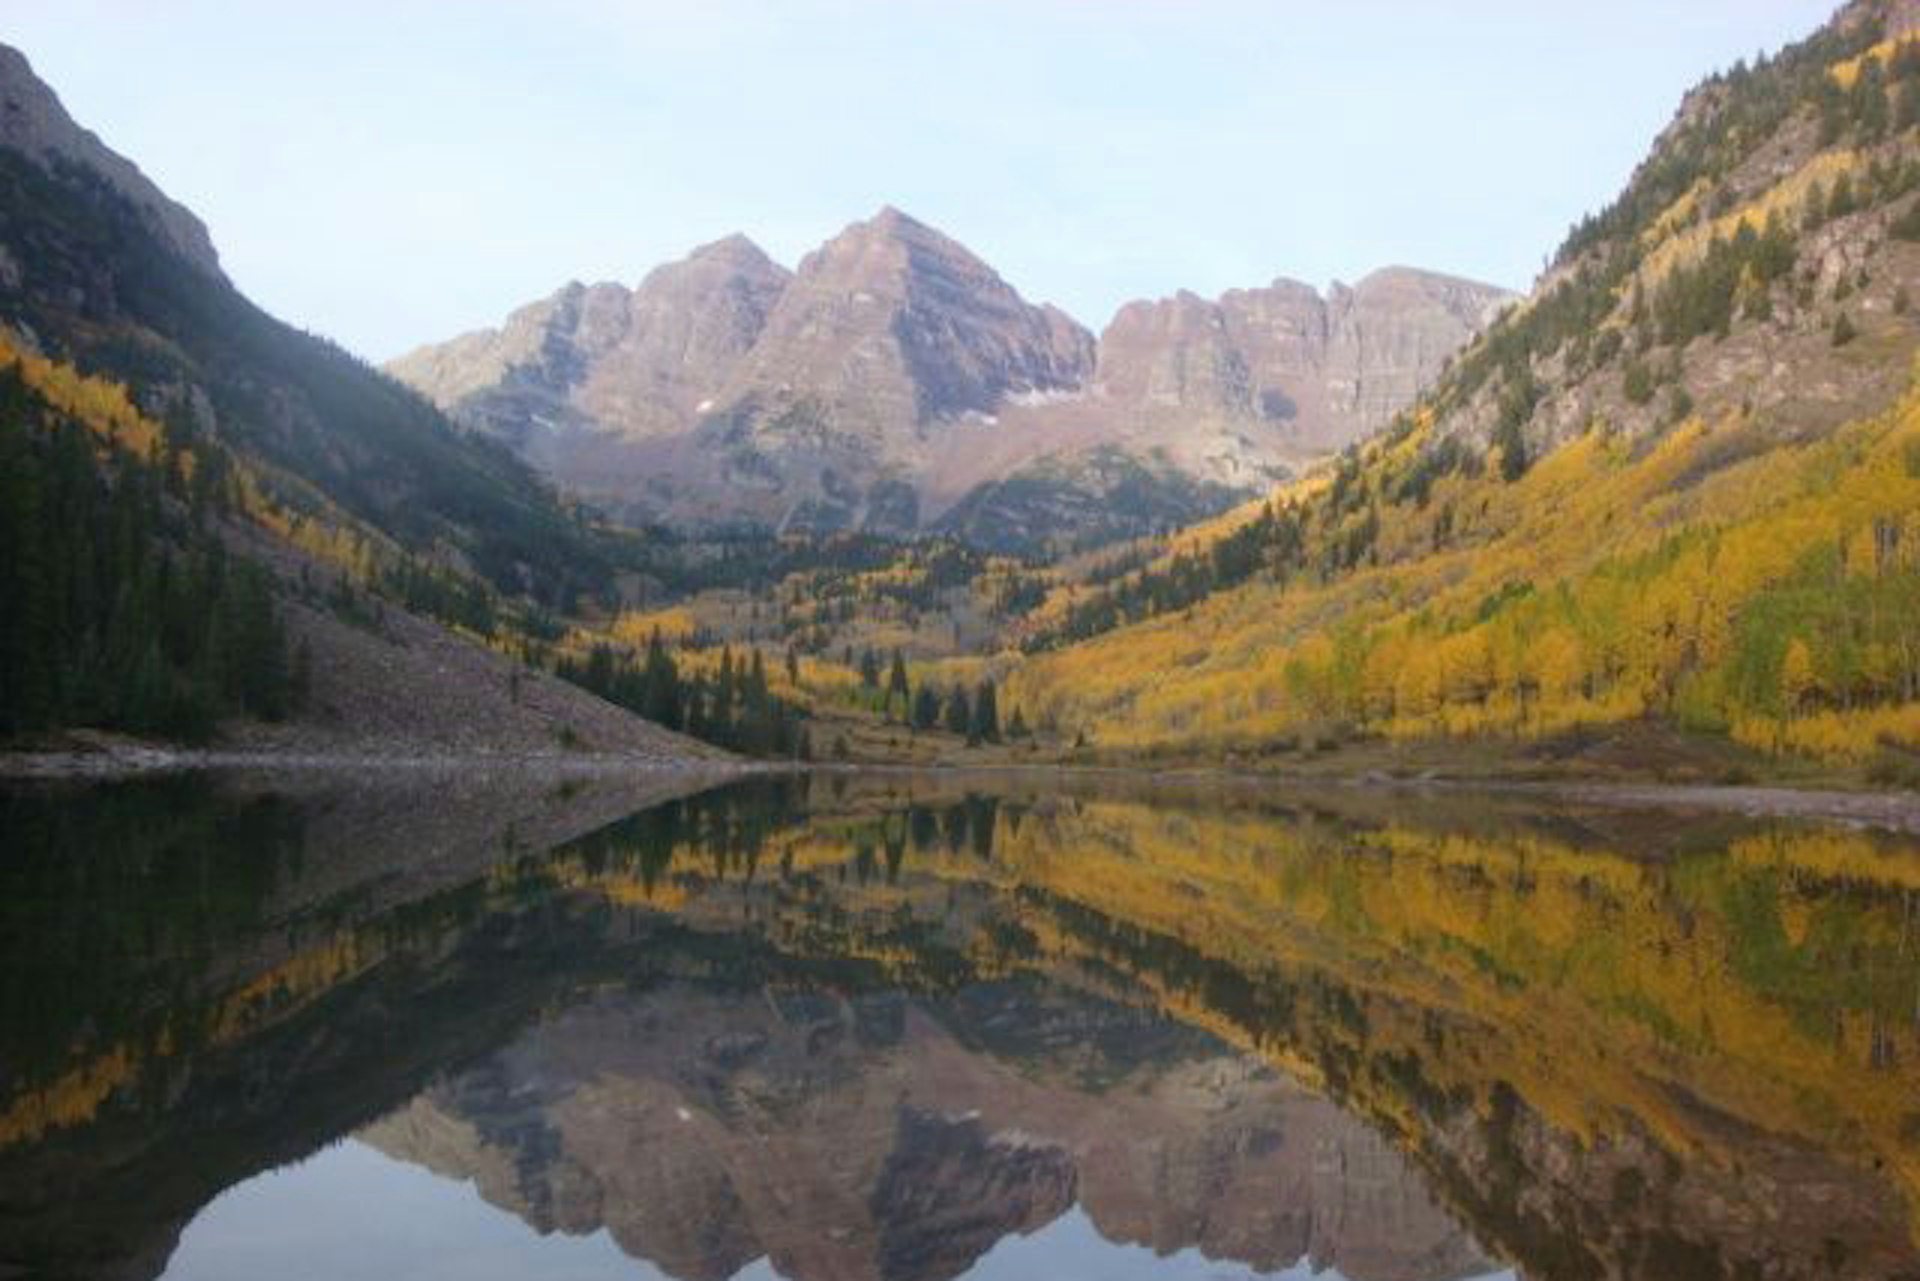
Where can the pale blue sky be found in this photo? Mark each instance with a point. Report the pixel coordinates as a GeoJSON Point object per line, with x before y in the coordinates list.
{"type": "Point", "coordinates": [391, 173]}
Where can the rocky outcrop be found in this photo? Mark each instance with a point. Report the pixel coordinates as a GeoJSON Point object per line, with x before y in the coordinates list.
{"type": "Point", "coordinates": [895, 383]}
{"type": "Point", "coordinates": [33, 122]}
{"type": "Point", "coordinates": [635, 362]}
{"type": "Point", "coordinates": [882, 1136]}
{"type": "Point", "coordinates": [1324, 370]}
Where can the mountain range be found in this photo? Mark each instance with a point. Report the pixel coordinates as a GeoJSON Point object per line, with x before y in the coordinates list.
{"type": "Point", "coordinates": [894, 383]}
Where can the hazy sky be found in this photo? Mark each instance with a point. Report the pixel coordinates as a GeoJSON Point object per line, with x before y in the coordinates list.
{"type": "Point", "coordinates": [392, 173]}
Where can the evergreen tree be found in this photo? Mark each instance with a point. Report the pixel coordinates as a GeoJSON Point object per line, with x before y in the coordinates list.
{"type": "Point", "coordinates": [985, 724]}
{"type": "Point", "coordinates": [959, 716]}
{"type": "Point", "coordinates": [926, 708]}
{"type": "Point", "coordinates": [897, 684]}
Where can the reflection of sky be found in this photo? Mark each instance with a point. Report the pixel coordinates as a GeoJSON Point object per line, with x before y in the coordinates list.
{"type": "Point", "coordinates": [351, 1213]}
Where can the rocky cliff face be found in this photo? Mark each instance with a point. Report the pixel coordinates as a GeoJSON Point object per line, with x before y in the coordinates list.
{"type": "Point", "coordinates": [33, 122]}
{"type": "Point", "coordinates": [886, 1137]}
{"type": "Point", "coordinates": [894, 382]}
{"type": "Point", "coordinates": [633, 363]}
{"type": "Point", "coordinates": [1324, 371]}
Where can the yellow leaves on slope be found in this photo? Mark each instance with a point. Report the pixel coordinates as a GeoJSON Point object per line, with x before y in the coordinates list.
{"type": "Point", "coordinates": [1672, 244]}
{"type": "Point", "coordinates": [104, 408]}
{"type": "Point", "coordinates": [100, 404]}
{"type": "Point", "coordinates": [1847, 71]}
{"type": "Point", "coordinates": [1600, 586]}
{"type": "Point", "coordinates": [636, 627]}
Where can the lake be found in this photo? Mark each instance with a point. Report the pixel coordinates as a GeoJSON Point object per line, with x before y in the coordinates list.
{"type": "Point", "coordinates": [915, 1027]}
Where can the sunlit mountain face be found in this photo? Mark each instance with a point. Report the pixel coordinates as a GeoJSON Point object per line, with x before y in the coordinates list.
{"type": "Point", "coordinates": [903, 1026]}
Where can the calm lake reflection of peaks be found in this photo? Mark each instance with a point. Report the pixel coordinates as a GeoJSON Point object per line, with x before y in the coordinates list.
{"type": "Point", "coordinates": [923, 1027]}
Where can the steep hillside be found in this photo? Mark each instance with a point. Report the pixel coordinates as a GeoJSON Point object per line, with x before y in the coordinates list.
{"type": "Point", "coordinates": [894, 383]}
{"type": "Point", "coordinates": [99, 269]}
{"type": "Point", "coordinates": [1680, 483]}
{"type": "Point", "coordinates": [218, 526]}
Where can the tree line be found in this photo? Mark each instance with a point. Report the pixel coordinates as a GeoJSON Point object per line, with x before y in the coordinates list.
{"type": "Point", "coordinates": [1274, 541]}
{"type": "Point", "coordinates": [735, 709]}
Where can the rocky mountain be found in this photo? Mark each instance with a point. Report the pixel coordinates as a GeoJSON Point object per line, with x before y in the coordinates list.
{"type": "Point", "coordinates": [645, 359]}
{"type": "Point", "coordinates": [894, 382]}
{"type": "Point", "coordinates": [1327, 370]}
{"type": "Point", "coordinates": [34, 124]}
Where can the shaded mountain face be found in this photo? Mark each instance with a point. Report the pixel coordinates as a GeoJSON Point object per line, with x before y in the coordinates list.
{"type": "Point", "coordinates": [33, 123]}
{"type": "Point", "coordinates": [100, 270]}
{"type": "Point", "coordinates": [895, 383]}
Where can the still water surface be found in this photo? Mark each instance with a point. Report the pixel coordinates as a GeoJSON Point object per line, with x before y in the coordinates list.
{"type": "Point", "coordinates": [917, 1027]}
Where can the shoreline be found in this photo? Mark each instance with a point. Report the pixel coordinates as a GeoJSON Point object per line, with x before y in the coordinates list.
{"type": "Point", "coordinates": [127, 761]}
{"type": "Point", "coordinates": [1892, 810]}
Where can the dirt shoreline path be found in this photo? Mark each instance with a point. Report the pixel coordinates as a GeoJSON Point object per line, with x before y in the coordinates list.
{"type": "Point", "coordinates": [130, 761]}
{"type": "Point", "coordinates": [1891, 811]}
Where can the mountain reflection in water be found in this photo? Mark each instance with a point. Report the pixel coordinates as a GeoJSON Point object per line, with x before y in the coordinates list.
{"type": "Point", "coordinates": [901, 1026]}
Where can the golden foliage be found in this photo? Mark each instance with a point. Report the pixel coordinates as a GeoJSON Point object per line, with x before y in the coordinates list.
{"type": "Point", "coordinates": [1610, 582]}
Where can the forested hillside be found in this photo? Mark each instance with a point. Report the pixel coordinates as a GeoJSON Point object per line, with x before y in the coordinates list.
{"type": "Point", "coordinates": [123, 607]}
{"type": "Point", "coordinates": [1680, 483]}
{"type": "Point", "coordinates": [215, 523]}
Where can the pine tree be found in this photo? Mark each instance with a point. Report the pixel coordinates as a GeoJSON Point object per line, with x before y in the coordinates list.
{"type": "Point", "coordinates": [897, 684]}
{"type": "Point", "coordinates": [959, 716]}
{"type": "Point", "coordinates": [661, 699]}
{"type": "Point", "coordinates": [985, 724]}
{"type": "Point", "coordinates": [926, 708]}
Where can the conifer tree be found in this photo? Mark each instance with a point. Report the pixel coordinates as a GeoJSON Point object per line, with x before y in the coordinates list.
{"type": "Point", "coordinates": [926, 708]}
{"type": "Point", "coordinates": [959, 716]}
{"type": "Point", "coordinates": [897, 684]}
{"type": "Point", "coordinates": [985, 724]}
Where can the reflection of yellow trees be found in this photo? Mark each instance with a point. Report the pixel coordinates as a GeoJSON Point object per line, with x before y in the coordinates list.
{"type": "Point", "coordinates": [71, 1099]}
{"type": "Point", "coordinates": [77, 1095]}
{"type": "Point", "coordinates": [1726, 582]}
{"type": "Point", "coordinates": [1770, 981]}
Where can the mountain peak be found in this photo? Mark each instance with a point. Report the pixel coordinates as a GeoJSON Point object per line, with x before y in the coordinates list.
{"type": "Point", "coordinates": [893, 218]}
{"type": "Point", "coordinates": [735, 250]}
{"type": "Point", "coordinates": [35, 124]}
